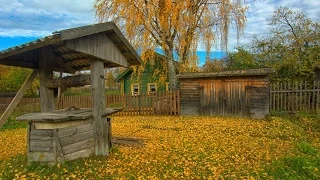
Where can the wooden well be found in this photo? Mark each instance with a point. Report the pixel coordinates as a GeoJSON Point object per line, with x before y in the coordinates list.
{"type": "Point", "coordinates": [62, 135]}
{"type": "Point", "coordinates": [59, 135]}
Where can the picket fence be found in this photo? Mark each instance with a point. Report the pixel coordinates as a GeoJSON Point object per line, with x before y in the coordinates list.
{"type": "Point", "coordinates": [295, 97]}
{"type": "Point", "coordinates": [161, 103]}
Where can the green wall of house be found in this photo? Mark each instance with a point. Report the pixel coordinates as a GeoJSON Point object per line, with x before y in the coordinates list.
{"type": "Point", "coordinates": [147, 77]}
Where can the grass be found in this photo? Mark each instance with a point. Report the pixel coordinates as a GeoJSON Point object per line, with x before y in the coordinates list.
{"type": "Point", "coordinates": [184, 148]}
{"type": "Point", "coordinates": [12, 123]}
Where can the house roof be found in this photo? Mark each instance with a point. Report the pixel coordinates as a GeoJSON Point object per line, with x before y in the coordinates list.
{"type": "Point", "coordinates": [123, 74]}
{"type": "Point", "coordinates": [69, 56]}
{"type": "Point", "coordinates": [129, 70]}
{"type": "Point", "coordinates": [247, 72]}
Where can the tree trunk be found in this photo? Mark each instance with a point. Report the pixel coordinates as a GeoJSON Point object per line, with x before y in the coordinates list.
{"type": "Point", "coordinates": [173, 80]}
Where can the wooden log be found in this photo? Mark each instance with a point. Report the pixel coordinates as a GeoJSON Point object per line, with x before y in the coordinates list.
{"type": "Point", "coordinates": [46, 73]}
{"type": "Point", "coordinates": [100, 125]}
{"type": "Point", "coordinates": [80, 154]}
{"type": "Point", "coordinates": [76, 138]}
{"type": "Point", "coordinates": [42, 146]}
{"type": "Point", "coordinates": [70, 81]}
{"type": "Point", "coordinates": [18, 97]}
{"type": "Point", "coordinates": [69, 131]}
{"type": "Point", "coordinates": [78, 146]}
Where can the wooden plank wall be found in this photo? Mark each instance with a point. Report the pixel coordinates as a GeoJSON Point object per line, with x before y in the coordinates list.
{"type": "Point", "coordinates": [190, 98]}
{"type": "Point", "coordinates": [58, 145]}
{"type": "Point", "coordinates": [162, 103]}
{"type": "Point", "coordinates": [76, 141]}
{"type": "Point", "coordinates": [227, 96]}
{"type": "Point", "coordinates": [286, 97]}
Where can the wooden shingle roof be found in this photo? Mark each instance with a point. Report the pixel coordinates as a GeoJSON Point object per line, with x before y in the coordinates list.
{"type": "Point", "coordinates": [247, 72]}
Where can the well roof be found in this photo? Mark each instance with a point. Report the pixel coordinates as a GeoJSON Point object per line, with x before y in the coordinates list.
{"type": "Point", "coordinates": [65, 58]}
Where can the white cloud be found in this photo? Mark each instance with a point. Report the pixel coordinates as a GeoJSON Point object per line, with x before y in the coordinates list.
{"type": "Point", "coordinates": [42, 17]}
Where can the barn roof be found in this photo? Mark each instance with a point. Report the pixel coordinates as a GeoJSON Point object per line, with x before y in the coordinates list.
{"type": "Point", "coordinates": [247, 72]}
{"type": "Point", "coordinates": [73, 48]}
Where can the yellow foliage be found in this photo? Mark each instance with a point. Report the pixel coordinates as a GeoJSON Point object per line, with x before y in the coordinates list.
{"type": "Point", "coordinates": [12, 142]}
{"type": "Point", "coordinates": [175, 148]}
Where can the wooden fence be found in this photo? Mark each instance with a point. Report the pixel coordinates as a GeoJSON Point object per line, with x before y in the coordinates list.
{"type": "Point", "coordinates": [295, 97]}
{"type": "Point", "coordinates": [162, 103]}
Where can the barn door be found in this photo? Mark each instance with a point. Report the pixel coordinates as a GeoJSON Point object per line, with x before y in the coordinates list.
{"type": "Point", "coordinates": [190, 99]}
{"type": "Point", "coordinates": [224, 98]}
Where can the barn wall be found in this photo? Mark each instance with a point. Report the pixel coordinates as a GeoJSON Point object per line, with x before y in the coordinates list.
{"type": "Point", "coordinates": [245, 96]}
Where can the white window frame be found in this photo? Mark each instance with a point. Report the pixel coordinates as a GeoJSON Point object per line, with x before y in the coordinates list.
{"type": "Point", "coordinates": [149, 89]}
{"type": "Point", "coordinates": [132, 89]}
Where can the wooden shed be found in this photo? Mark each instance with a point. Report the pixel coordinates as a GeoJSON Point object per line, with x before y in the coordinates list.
{"type": "Point", "coordinates": [60, 135]}
{"type": "Point", "coordinates": [242, 93]}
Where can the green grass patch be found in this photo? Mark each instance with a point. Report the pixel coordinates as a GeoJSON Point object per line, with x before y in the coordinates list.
{"type": "Point", "coordinates": [12, 123]}
{"type": "Point", "coordinates": [304, 164]}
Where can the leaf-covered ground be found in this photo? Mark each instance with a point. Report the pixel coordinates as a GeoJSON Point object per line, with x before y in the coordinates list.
{"type": "Point", "coordinates": [180, 148]}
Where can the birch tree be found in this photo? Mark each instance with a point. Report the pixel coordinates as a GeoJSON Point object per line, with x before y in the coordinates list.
{"type": "Point", "coordinates": [175, 26]}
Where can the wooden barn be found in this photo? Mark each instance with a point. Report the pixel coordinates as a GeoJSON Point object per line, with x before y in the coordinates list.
{"type": "Point", "coordinates": [61, 135]}
{"type": "Point", "coordinates": [228, 93]}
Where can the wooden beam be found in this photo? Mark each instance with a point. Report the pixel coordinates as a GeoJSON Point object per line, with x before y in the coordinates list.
{"type": "Point", "coordinates": [18, 97]}
{"type": "Point", "coordinates": [31, 46]}
{"type": "Point", "coordinates": [46, 73]}
{"type": "Point", "coordinates": [19, 64]}
{"type": "Point", "coordinates": [100, 125]}
{"type": "Point", "coordinates": [70, 81]}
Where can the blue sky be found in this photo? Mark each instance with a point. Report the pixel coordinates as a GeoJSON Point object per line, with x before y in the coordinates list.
{"type": "Point", "coordinates": [26, 20]}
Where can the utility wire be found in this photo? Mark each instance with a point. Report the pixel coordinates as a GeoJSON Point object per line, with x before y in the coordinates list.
{"type": "Point", "coordinates": [14, 18]}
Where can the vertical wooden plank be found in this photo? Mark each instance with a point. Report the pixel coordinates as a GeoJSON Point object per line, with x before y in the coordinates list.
{"type": "Point", "coordinates": [309, 100]}
{"type": "Point", "coordinates": [300, 96]}
{"type": "Point", "coordinates": [178, 102]}
{"type": "Point", "coordinates": [45, 73]}
{"type": "Point", "coordinates": [313, 96]}
{"type": "Point", "coordinates": [28, 139]}
{"type": "Point", "coordinates": [273, 96]}
{"type": "Point", "coordinates": [281, 96]}
{"type": "Point", "coordinates": [100, 125]}
{"type": "Point", "coordinates": [318, 97]}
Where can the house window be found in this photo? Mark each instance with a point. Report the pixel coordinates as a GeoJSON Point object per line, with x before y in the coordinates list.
{"type": "Point", "coordinates": [152, 88]}
{"type": "Point", "coordinates": [135, 89]}
{"type": "Point", "coordinates": [167, 86]}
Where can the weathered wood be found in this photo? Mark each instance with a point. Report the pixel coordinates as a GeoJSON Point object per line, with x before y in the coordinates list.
{"type": "Point", "coordinates": [42, 157]}
{"type": "Point", "coordinates": [58, 125]}
{"type": "Point", "coordinates": [127, 141]}
{"type": "Point", "coordinates": [58, 148]}
{"type": "Point", "coordinates": [76, 138]}
{"type": "Point", "coordinates": [104, 49]}
{"type": "Point", "coordinates": [28, 139]}
{"type": "Point", "coordinates": [80, 154]}
{"type": "Point", "coordinates": [78, 146]}
{"type": "Point", "coordinates": [4, 117]}
{"type": "Point", "coordinates": [46, 73]}
{"type": "Point", "coordinates": [41, 133]}
{"type": "Point", "coordinates": [42, 146]}
{"type": "Point", "coordinates": [100, 125]}
{"type": "Point", "coordinates": [70, 81]}
{"type": "Point", "coordinates": [69, 131]}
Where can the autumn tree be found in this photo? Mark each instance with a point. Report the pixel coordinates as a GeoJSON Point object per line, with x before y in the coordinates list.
{"type": "Point", "coordinates": [241, 59]}
{"type": "Point", "coordinates": [177, 27]}
{"type": "Point", "coordinates": [292, 47]}
{"type": "Point", "coordinates": [213, 65]}
{"type": "Point", "coordinates": [12, 78]}
{"type": "Point", "coordinates": [110, 79]}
